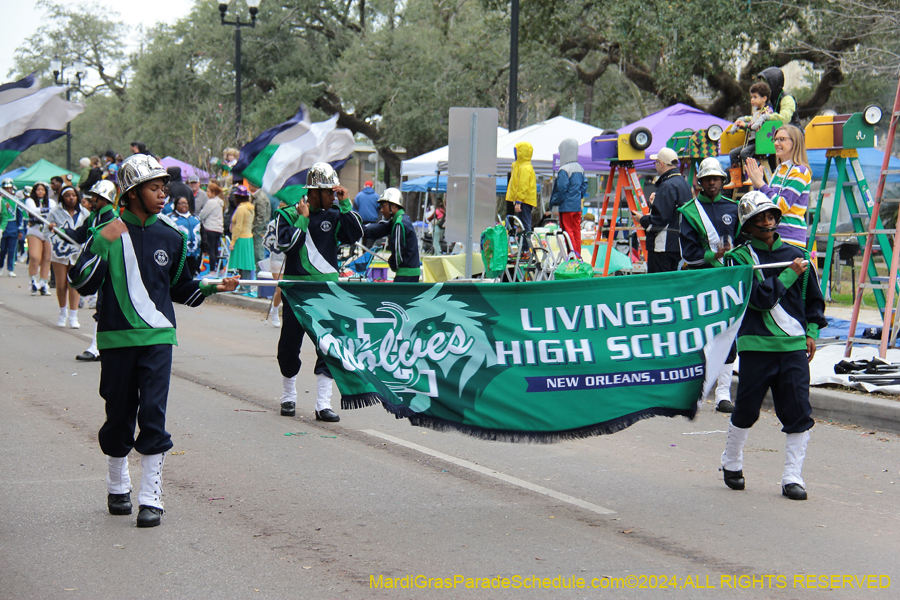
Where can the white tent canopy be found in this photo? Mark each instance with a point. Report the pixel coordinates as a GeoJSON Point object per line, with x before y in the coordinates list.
{"type": "Point", "coordinates": [545, 137]}
{"type": "Point", "coordinates": [427, 164]}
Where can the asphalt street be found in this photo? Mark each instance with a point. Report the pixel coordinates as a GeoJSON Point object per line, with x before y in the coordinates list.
{"type": "Point", "coordinates": [252, 512]}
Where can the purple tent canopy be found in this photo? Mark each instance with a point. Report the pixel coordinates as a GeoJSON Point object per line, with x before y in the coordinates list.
{"type": "Point", "coordinates": [663, 124]}
{"type": "Point", "coordinates": [186, 169]}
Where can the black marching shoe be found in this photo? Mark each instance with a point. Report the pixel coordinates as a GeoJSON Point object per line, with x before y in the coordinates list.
{"type": "Point", "coordinates": [725, 406]}
{"type": "Point", "coordinates": [288, 409]}
{"type": "Point", "coordinates": [149, 516]}
{"type": "Point", "coordinates": [87, 357]}
{"type": "Point", "coordinates": [326, 414]}
{"type": "Point", "coordinates": [794, 491]}
{"type": "Point", "coordinates": [119, 504]}
{"type": "Point", "coordinates": [734, 479]}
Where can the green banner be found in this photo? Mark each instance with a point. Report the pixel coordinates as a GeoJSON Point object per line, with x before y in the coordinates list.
{"type": "Point", "coordinates": [538, 361]}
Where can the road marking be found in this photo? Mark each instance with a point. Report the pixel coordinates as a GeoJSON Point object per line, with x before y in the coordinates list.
{"type": "Point", "coordinates": [492, 473]}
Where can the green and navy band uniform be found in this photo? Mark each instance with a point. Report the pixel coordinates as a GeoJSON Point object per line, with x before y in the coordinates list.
{"type": "Point", "coordinates": [784, 308]}
{"type": "Point", "coordinates": [95, 219]}
{"type": "Point", "coordinates": [404, 245]}
{"type": "Point", "coordinates": [310, 243]}
{"type": "Point", "coordinates": [703, 221]}
{"type": "Point", "coordinates": [310, 248]}
{"type": "Point", "coordinates": [139, 274]}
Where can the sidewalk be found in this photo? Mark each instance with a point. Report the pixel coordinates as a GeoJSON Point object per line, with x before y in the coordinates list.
{"type": "Point", "coordinates": [865, 410]}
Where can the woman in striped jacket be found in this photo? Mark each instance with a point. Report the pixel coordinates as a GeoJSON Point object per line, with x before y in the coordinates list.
{"type": "Point", "coordinates": [789, 189]}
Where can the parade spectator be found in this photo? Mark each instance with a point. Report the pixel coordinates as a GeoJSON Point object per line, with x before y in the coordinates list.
{"type": "Point", "coordinates": [242, 258]}
{"type": "Point", "coordinates": [569, 187]}
{"type": "Point", "coordinates": [56, 185]}
{"type": "Point", "coordinates": [262, 214]}
{"type": "Point", "coordinates": [109, 165]}
{"type": "Point", "coordinates": [37, 236]}
{"type": "Point", "coordinates": [211, 217]}
{"type": "Point", "coordinates": [178, 188]}
{"type": "Point", "coordinates": [790, 185]}
{"type": "Point", "coordinates": [709, 224]}
{"type": "Point", "coordinates": [200, 196]}
{"type": "Point", "coordinates": [761, 111]}
{"type": "Point", "coordinates": [774, 357]}
{"type": "Point", "coordinates": [437, 218]}
{"type": "Point", "coordinates": [139, 148]}
{"type": "Point", "coordinates": [784, 105]}
{"type": "Point", "coordinates": [366, 205]}
{"type": "Point", "coordinates": [404, 246]}
{"type": "Point", "coordinates": [68, 214]}
{"type": "Point", "coordinates": [663, 223]}
{"type": "Point", "coordinates": [522, 187]}
{"type": "Point", "coordinates": [12, 227]}
{"type": "Point", "coordinates": [93, 175]}
{"type": "Point", "coordinates": [190, 226]}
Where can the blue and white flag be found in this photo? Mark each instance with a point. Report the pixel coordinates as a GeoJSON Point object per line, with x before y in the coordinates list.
{"type": "Point", "coordinates": [30, 115]}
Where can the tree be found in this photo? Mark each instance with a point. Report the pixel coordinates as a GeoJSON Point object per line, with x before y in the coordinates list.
{"type": "Point", "coordinates": [88, 32]}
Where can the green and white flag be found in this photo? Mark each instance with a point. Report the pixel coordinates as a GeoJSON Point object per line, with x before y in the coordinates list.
{"type": "Point", "coordinates": [538, 361]}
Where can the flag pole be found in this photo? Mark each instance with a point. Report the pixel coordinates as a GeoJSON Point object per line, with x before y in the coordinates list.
{"type": "Point", "coordinates": [37, 216]}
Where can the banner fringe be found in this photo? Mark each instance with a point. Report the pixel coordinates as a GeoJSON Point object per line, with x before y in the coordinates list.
{"type": "Point", "coordinates": [418, 419]}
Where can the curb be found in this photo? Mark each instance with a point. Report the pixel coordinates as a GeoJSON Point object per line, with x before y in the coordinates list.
{"type": "Point", "coordinates": [827, 404]}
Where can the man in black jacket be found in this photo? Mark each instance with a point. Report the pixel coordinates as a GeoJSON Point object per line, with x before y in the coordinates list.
{"type": "Point", "coordinates": [661, 225]}
{"type": "Point", "coordinates": [179, 189]}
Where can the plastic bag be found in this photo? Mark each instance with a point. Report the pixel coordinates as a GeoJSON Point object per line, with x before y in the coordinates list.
{"type": "Point", "coordinates": [573, 269]}
{"type": "Point", "coordinates": [494, 248]}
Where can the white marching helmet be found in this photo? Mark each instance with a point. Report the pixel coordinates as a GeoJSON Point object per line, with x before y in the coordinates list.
{"type": "Point", "coordinates": [710, 167]}
{"type": "Point", "coordinates": [393, 196]}
{"type": "Point", "coordinates": [754, 203]}
{"type": "Point", "coordinates": [105, 189]}
{"type": "Point", "coordinates": [8, 183]}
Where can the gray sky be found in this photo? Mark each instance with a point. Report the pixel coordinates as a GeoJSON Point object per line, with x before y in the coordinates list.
{"type": "Point", "coordinates": [22, 19]}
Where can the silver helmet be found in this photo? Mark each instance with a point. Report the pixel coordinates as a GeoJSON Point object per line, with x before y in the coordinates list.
{"type": "Point", "coordinates": [139, 168]}
{"type": "Point", "coordinates": [105, 189]}
{"type": "Point", "coordinates": [754, 203]}
{"type": "Point", "coordinates": [8, 183]}
{"type": "Point", "coordinates": [321, 176]}
{"type": "Point", "coordinates": [710, 167]}
{"type": "Point", "coordinates": [393, 196]}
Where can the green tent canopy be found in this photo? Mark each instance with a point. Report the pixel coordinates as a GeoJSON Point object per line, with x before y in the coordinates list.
{"type": "Point", "coordinates": [42, 170]}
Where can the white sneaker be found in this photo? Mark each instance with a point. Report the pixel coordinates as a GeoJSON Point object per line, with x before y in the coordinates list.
{"type": "Point", "coordinates": [61, 321]}
{"type": "Point", "coordinates": [34, 288]}
{"type": "Point", "coordinates": [45, 289]}
{"type": "Point", "coordinates": [276, 320]}
{"type": "Point", "coordinates": [73, 322]}
{"type": "Point", "coordinates": [11, 274]}
{"type": "Point", "coordinates": [92, 301]}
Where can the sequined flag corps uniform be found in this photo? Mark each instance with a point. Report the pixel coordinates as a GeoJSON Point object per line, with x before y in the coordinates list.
{"type": "Point", "coordinates": [140, 275]}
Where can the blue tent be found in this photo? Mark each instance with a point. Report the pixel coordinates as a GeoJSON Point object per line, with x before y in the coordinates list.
{"type": "Point", "coordinates": [439, 184]}
{"type": "Point", "coordinates": [869, 158]}
{"type": "Point", "coordinates": [14, 173]}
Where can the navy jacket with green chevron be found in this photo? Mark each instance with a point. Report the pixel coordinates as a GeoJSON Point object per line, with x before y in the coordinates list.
{"type": "Point", "coordinates": [403, 243]}
{"type": "Point", "coordinates": [310, 243]}
{"type": "Point", "coordinates": [141, 274]}
{"type": "Point", "coordinates": [784, 308]}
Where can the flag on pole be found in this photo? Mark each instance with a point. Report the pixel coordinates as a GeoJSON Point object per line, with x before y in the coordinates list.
{"type": "Point", "coordinates": [30, 115]}
{"type": "Point", "coordinates": [277, 160]}
{"type": "Point", "coordinates": [537, 361]}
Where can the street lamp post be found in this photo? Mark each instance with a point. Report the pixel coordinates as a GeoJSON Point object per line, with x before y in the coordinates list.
{"type": "Point", "coordinates": [57, 67]}
{"type": "Point", "coordinates": [253, 5]}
